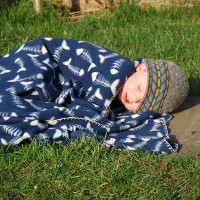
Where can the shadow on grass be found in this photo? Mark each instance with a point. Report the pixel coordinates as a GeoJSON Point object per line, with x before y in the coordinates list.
{"type": "Point", "coordinates": [194, 86]}
{"type": "Point", "coordinates": [4, 3]}
{"type": "Point", "coordinates": [193, 98]}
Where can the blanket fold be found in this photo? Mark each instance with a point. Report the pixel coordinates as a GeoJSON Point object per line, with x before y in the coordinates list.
{"type": "Point", "coordinates": [59, 89]}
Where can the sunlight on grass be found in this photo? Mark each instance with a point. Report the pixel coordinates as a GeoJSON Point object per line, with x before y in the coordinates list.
{"type": "Point", "coordinates": [84, 169]}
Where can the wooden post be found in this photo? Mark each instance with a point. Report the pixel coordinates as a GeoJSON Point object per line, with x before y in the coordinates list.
{"type": "Point", "coordinates": [37, 6]}
{"type": "Point", "coordinates": [67, 4]}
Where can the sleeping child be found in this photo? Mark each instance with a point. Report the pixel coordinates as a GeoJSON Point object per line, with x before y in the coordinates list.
{"type": "Point", "coordinates": [59, 89]}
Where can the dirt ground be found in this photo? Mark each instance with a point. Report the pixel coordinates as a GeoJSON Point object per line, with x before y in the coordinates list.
{"type": "Point", "coordinates": [184, 128]}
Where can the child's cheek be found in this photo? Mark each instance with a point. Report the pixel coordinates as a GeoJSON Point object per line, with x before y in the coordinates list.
{"type": "Point", "coordinates": [120, 94]}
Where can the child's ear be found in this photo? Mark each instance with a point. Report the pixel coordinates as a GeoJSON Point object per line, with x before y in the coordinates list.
{"type": "Point", "coordinates": [141, 67]}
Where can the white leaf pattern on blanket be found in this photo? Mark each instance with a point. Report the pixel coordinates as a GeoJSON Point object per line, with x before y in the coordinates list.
{"type": "Point", "coordinates": [57, 134]}
{"type": "Point", "coordinates": [15, 79]}
{"type": "Point", "coordinates": [35, 106]}
{"type": "Point", "coordinates": [6, 118]}
{"type": "Point", "coordinates": [3, 141]}
{"type": "Point", "coordinates": [33, 55]}
{"type": "Point", "coordinates": [33, 77]}
{"type": "Point", "coordinates": [12, 130]}
{"type": "Point", "coordinates": [15, 98]}
{"type": "Point", "coordinates": [86, 56]}
{"type": "Point", "coordinates": [88, 126]}
{"type": "Point", "coordinates": [69, 112]}
{"type": "Point", "coordinates": [155, 127]}
{"type": "Point", "coordinates": [43, 137]}
{"type": "Point", "coordinates": [38, 64]}
{"type": "Point", "coordinates": [34, 49]}
{"type": "Point", "coordinates": [20, 63]}
{"type": "Point", "coordinates": [73, 127]}
{"type": "Point", "coordinates": [75, 70]}
{"type": "Point", "coordinates": [99, 79]}
{"type": "Point", "coordinates": [44, 91]}
{"type": "Point", "coordinates": [47, 62]}
{"type": "Point", "coordinates": [48, 39]}
{"type": "Point", "coordinates": [100, 49]}
{"type": "Point", "coordinates": [116, 66]}
{"type": "Point", "coordinates": [61, 78]}
{"type": "Point", "coordinates": [63, 96]}
{"type": "Point", "coordinates": [96, 94]}
{"type": "Point", "coordinates": [96, 117]}
{"type": "Point", "coordinates": [7, 114]}
{"type": "Point", "coordinates": [3, 70]}
{"type": "Point", "coordinates": [58, 50]}
{"type": "Point", "coordinates": [38, 124]}
{"type": "Point", "coordinates": [20, 138]}
{"type": "Point", "coordinates": [6, 56]}
{"type": "Point", "coordinates": [103, 58]}
{"type": "Point", "coordinates": [88, 91]}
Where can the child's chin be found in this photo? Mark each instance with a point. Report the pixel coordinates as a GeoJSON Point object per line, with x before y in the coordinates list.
{"type": "Point", "coordinates": [131, 109]}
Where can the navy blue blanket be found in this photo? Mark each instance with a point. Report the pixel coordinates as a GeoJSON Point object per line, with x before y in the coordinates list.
{"type": "Point", "coordinates": [55, 89]}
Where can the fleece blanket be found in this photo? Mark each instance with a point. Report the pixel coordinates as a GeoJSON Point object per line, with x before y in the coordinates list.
{"type": "Point", "coordinates": [57, 89]}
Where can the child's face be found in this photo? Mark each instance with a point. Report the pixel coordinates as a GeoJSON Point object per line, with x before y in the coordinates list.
{"type": "Point", "coordinates": [134, 88]}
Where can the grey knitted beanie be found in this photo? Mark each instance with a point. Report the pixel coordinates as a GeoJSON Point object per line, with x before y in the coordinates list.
{"type": "Point", "coordinates": [167, 87]}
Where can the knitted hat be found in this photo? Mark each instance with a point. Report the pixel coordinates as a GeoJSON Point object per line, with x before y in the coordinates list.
{"type": "Point", "coordinates": [167, 87]}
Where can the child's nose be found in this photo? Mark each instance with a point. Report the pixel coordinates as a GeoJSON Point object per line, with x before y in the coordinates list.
{"type": "Point", "coordinates": [137, 98]}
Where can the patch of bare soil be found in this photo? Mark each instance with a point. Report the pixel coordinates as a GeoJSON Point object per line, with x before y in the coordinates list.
{"type": "Point", "coordinates": [184, 128]}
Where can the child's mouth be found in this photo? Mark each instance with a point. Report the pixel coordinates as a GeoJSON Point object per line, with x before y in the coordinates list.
{"type": "Point", "coordinates": [125, 98]}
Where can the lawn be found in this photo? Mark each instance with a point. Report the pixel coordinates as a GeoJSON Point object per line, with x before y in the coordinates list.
{"type": "Point", "coordinates": [86, 169]}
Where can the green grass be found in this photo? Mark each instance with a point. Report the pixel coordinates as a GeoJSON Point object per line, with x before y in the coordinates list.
{"type": "Point", "coordinates": [88, 170]}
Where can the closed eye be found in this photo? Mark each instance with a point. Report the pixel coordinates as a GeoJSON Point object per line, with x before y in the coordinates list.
{"type": "Point", "coordinates": [142, 88]}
